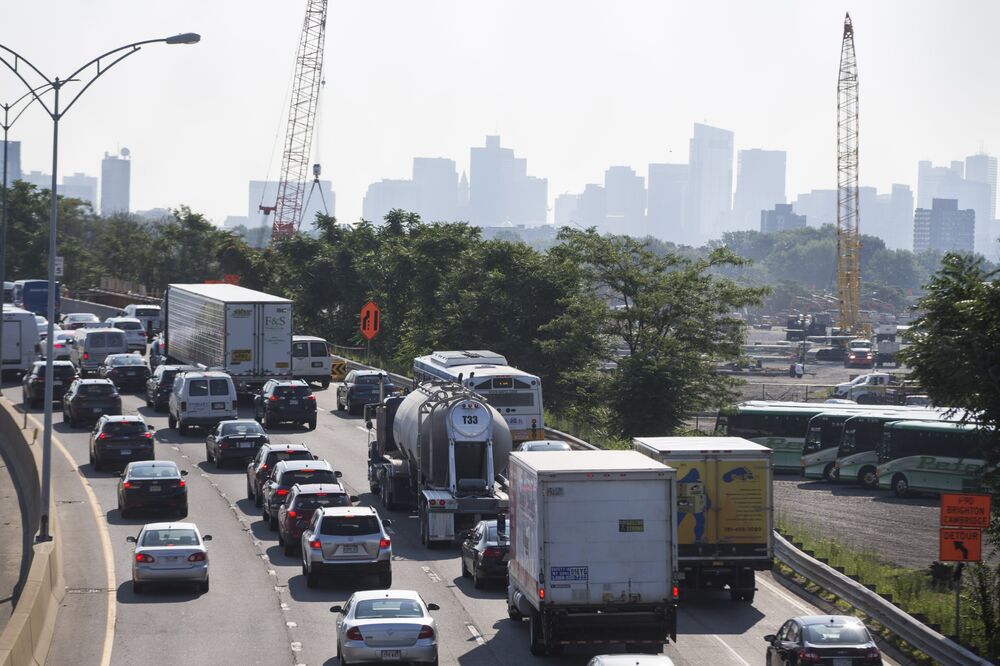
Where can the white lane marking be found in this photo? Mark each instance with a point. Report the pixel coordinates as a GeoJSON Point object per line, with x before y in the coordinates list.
{"type": "Point", "coordinates": [731, 650]}
{"type": "Point", "coordinates": [361, 428]}
{"type": "Point", "coordinates": [784, 595]}
{"type": "Point", "coordinates": [108, 553]}
{"type": "Point", "coordinates": [478, 636]}
{"type": "Point", "coordinates": [297, 647]}
{"type": "Point", "coordinates": [430, 574]}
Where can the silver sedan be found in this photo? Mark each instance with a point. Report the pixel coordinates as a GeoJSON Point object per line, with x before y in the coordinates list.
{"type": "Point", "coordinates": [386, 625]}
{"type": "Point", "coordinates": [169, 553]}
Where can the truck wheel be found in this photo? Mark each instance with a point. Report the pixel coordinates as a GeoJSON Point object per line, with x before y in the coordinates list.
{"type": "Point", "coordinates": [537, 640]}
{"type": "Point", "coordinates": [513, 613]}
{"type": "Point", "coordinates": [325, 383]}
{"type": "Point", "coordinates": [477, 581]}
{"type": "Point", "coordinates": [828, 472]}
{"type": "Point", "coordinates": [249, 490]}
{"type": "Point", "coordinates": [868, 478]}
{"type": "Point", "coordinates": [424, 539]}
{"type": "Point", "coordinates": [311, 424]}
{"type": "Point", "coordinates": [171, 421]}
{"type": "Point", "coordinates": [900, 485]}
{"type": "Point", "coordinates": [465, 571]}
{"type": "Point", "coordinates": [340, 407]}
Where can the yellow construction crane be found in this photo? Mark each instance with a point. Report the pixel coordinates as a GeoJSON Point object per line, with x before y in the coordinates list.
{"type": "Point", "coordinates": [848, 228]}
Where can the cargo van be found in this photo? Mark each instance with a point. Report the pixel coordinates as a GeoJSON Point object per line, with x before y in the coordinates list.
{"type": "Point", "coordinates": [92, 345]}
{"type": "Point", "coordinates": [311, 359]}
{"type": "Point", "coordinates": [201, 399]}
{"type": "Point", "coordinates": [20, 335]}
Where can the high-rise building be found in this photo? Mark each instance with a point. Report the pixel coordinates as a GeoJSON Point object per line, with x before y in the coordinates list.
{"type": "Point", "coordinates": [565, 209]}
{"type": "Point", "coordinates": [625, 197]}
{"type": "Point", "coordinates": [80, 186]}
{"type": "Point", "coordinates": [265, 193]}
{"type": "Point", "coordinates": [780, 218]}
{"type": "Point", "coordinates": [900, 213]}
{"type": "Point", "coordinates": [982, 168]}
{"type": "Point", "coordinates": [667, 185]}
{"type": "Point", "coordinates": [435, 189]}
{"type": "Point", "coordinates": [819, 207]}
{"type": "Point", "coordinates": [710, 185]}
{"type": "Point", "coordinates": [500, 191]}
{"type": "Point", "coordinates": [760, 184]}
{"type": "Point", "coordinates": [386, 195]}
{"type": "Point", "coordinates": [944, 227]}
{"type": "Point", "coordinates": [592, 207]}
{"type": "Point", "coordinates": [975, 192]}
{"type": "Point", "coordinates": [115, 181]}
{"type": "Point", "coordinates": [13, 160]}
{"type": "Point", "coordinates": [42, 181]}
{"type": "Point", "coordinates": [462, 210]}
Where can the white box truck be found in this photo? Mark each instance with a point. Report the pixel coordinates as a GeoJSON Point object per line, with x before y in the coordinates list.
{"type": "Point", "coordinates": [593, 549]}
{"type": "Point", "coordinates": [725, 528]}
{"type": "Point", "coordinates": [245, 333]}
{"type": "Point", "coordinates": [20, 335]}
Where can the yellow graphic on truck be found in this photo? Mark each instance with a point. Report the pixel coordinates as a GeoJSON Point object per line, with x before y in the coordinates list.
{"type": "Point", "coordinates": [721, 501]}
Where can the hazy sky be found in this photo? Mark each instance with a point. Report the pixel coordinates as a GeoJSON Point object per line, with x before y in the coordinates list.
{"type": "Point", "coordinates": [572, 85]}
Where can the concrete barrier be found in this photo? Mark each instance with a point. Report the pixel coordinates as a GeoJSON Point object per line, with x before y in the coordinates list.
{"type": "Point", "coordinates": [26, 638]}
{"type": "Point", "coordinates": [102, 311]}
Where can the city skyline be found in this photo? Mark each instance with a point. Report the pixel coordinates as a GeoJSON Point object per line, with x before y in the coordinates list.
{"type": "Point", "coordinates": [631, 103]}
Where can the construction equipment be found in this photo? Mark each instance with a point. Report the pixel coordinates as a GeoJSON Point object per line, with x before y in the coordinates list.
{"type": "Point", "coordinates": [848, 228]}
{"type": "Point", "coordinates": [301, 118]}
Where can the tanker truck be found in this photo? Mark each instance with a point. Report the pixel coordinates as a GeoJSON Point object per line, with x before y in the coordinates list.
{"type": "Point", "coordinates": [439, 449]}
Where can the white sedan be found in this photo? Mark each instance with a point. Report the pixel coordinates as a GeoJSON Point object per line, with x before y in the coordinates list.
{"type": "Point", "coordinates": [169, 553]}
{"type": "Point", "coordinates": [386, 625]}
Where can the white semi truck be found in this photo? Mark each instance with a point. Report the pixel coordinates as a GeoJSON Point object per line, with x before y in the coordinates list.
{"type": "Point", "coordinates": [593, 549]}
{"type": "Point", "coordinates": [440, 449]}
{"type": "Point", "coordinates": [245, 333]}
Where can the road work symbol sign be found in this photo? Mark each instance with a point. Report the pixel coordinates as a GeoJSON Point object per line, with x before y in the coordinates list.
{"type": "Point", "coordinates": [961, 545]}
{"type": "Point", "coordinates": [371, 320]}
{"type": "Point", "coordinates": [965, 510]}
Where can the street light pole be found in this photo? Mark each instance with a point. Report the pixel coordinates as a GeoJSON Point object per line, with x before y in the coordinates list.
{"type": "Point", "coordinates": [13, 60]}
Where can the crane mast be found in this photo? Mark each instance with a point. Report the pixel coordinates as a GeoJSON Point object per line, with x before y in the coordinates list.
{"type": "Point", "coordinates": [301, 117]}
{"type": "Point", "coordinates": [848, 228]}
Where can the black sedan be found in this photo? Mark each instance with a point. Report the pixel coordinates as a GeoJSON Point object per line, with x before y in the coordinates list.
{"type": "Point", "coordinates": [161, 383]}
{"type": "Point", "coordinates": [483, 552]}
{"type": "Point", "coordinates": [126, 371]}
{"type": "Point", "coordinates": [361, 387]}
{"type": "Point", "coordinates": [88, 400]}
{"type": "Point", "coordinates": [232, 440]}
{"type": "Point", "coordinates": [33, 382]}
{"type": "Point", "coordinates": [152, 484]}
{"type": "Point", "coordinates": [822, 639]}
{"type": "Point", "coordinates": [120, 439]}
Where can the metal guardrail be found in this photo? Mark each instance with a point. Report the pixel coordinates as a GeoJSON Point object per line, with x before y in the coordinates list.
{"type": "Point", "coordinates": [935, 645]}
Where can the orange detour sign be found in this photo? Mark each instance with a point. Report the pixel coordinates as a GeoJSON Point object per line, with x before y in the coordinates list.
{"type": "Point", "coordinates": [965, 510]}
{"type": "Point", "coordinates": [371, 320]}
{"type": "Point", "coordinates": [961, 545]}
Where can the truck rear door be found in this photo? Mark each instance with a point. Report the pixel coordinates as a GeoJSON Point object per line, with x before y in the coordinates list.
{"type": "Point", "coordinates": [275, 339]}
{"type": "Point", "coordinates": [607, 541]}
{"type": "Point", "coordinates": [240, 338]}
{"type": "Point", "coordinates": [12, 342]}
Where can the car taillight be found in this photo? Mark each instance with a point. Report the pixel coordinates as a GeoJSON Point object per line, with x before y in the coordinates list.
{"type": "Point", "coordinates": [426, 632]}
{"type": "Point", "coordinates": [281, 492]}
{"type": "Point", "coordinates": [541, 593]}
{"type": "Point", "coordinates": [263, 467]}
{"type": "Point", "coordinates": [182, 483]}
{"type": "Point", "coordinates": [676, 592]}
{"type": "Point", "coordinates": [273, 398]}
{"type": "Point", "coordinates": [144, 558]}
{"type": "Point", "coordinates": [492, 551]}
{"type": "Point", "coordinates": [315, 544]}
{"type": "Point", "coordinates": [292, 514]}
{"type": "Point", "coordinates": [196, 557]}
{"type": "Point", "coordinates": [147, 435]}
{"type": "Point", "coordinates": [103, 435]}
{"type": "Point", "coordinates": [354, 634]}
{"type": "Point", "coordinates": [311, 397]}
{"type": "Point", "coordinates": [86, 356]}
{"type": "Point", "coordinates": [127, 485]}
{"type": "Point", "coordinates": [807, 656]}
{"type": "Point", "coordinates": [384, 543]}
{"type": "Point", "coordinates": [873, 654]}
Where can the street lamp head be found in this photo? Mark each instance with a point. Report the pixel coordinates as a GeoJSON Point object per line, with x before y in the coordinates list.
{"type": "Point", "coordinates": [184, 38]}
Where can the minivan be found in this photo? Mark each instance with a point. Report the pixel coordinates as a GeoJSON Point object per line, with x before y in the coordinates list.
{"type": "Point", "coordinates": [92, 345]}
{"type": "Point", "coordinates": [311, 359]}
{"type": "Point", "coordinates": [201, 399]}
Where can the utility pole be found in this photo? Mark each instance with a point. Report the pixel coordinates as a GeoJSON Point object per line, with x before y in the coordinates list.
{"type": "Point", "coordinates": [848, 227]}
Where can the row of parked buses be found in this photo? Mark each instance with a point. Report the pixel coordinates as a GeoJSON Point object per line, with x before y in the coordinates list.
{"type": "Point", "coordinates": [905, 449]}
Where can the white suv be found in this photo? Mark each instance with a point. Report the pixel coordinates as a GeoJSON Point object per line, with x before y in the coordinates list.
{"type": "Point", "coordinates": [346, 541]}
{"type": "Point", "coordinates": [135, 335]}
{"type": "Point", "coordinates": [201, 399]}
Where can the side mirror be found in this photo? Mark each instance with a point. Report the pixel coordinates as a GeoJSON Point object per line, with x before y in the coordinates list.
{"type": "Point", "coordinates": [355, 499]}
{"type": "Point", "coordinates": [387, 522]}
{"type": "Point", "coordinates": [184, 472]}
{"type": "Point", "coordinates": [368, 423]}
{"type": "Point", "coordinates": [119, 473]}
{"type": "Point", "coordinates": [207, 537]}
{"type": "Point", "coordinates": [769, 638]}
{"type": "Point", "coordinates": [433, 607]}
{"type": "Point", "coordinates": [150, 427]}
{"type": "Point", "coordinates": [338, 474]}
{"type": "Point", "coordinates": [130, 539]}
{"type": "Point", "coordinates": [336, 609]}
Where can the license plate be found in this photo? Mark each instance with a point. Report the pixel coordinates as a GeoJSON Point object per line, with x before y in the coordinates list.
{"type": "Point", "coordinates": [98, 410]}
{"type": "Point", "coordinates": [351, 549]}
{"type": "Point", "coordinates": [125, 452]}
{"type": "Point", "coordinates": [171, 558]}
{"type": "Point", "coordinates": [842, 661]}
{"type": "Point", "coordinates": [246, 445]}
{"type": "Point", "coordinates": [392, 654]}
{"type": "Point", "coordinates": [293, 402]}
{"type": "Point", "coordinates": [155, 489]}
{"type": "Point", "coordinates": [218, 405]}
{"type": "Point", "coordinates": [130, 373]}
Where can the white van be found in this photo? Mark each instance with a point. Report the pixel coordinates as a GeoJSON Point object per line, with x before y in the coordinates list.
{"type": "Point", "coordinates": [148, 316]}
{"type": "Point", "coordinates": [20, 335]}
{"type": "Point", "coordinates": [201, 399]}
{"type": "Point", "coordinates": [92, 345]}
{"type": "Point", "coordinates": [135, 334]}
{"type": "Point", "coordinates": [311, 359]}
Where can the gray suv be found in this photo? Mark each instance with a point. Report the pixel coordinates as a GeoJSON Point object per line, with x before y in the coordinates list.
{"type": "Point", "coordinates": [346, 541]}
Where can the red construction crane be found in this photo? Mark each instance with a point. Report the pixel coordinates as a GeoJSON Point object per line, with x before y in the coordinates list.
{"type": "Point", "coordinates": [301, 118]}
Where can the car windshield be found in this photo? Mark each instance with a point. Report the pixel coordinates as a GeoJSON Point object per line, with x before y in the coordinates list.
{"type": "Point", "coordinates": [349, 525]}
{"type": "Point", "coordinates": [278, 456]}
{"type": "Point", "coordinates": [83, 316]}
{"type": "Point", "coordinates": [369, 380]}
{"type": "Point", "coordinates": [293, 476]}
{"type": "Point", "coordinates": [491, 536]}
{"type": "Point", "coordinates": [61, 370]}
{"type": "Point", "coordinates": [129, 325]}
{"type": "Point", "coordinates": [125, 359]}
{"type": "Point", "coordinates": [147, 312]}
{"type": "Point", "coordinates": [158, 471]}
{"type": "Point", "coordinates": [124, 427]}
{"type": "Point", "coordinates": [313, 502]}
{"type": "Point", "coordinates": [219, 386]}
{"type": "Point", "coordinates": [60, 337]}
{"type": "Point", "coordinates": [292, 391]}
{"type": "Point", "coordinates": [175, 536]}
{"type": "Point", "coordinates": [387, 608]}
{"type": "Point", "coordinates": [248, 428]}
{"type": "Point", "coordinates": [832, 634]}
{"type": "Point", "coordinates": [96, 389]}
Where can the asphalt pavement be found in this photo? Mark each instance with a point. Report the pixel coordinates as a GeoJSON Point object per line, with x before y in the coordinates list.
{"type": "Point", "coordinates": [259, 610]}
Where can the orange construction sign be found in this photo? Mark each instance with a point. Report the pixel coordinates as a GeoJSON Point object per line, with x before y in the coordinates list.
{"type": "Point", "coordinates": [965, 510]}
{"type": "Point", "coordinates": [961, 545]}
{"type": "Point", "coordinates": [370, 320]}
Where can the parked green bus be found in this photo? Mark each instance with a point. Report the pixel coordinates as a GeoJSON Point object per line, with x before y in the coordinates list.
{"type": "Point", "coordinates": [934, 457]}
{"type": "Point", "coordinates": [857, 460]}
{"type": "Point", "coordinates": [822, 441]}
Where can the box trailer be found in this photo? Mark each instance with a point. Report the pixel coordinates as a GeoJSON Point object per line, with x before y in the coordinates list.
{"type": "Point", "coordinates": [245, 333]}
{"type": "Point", "coordinates": [725, 528]}
{"type": "Point", "coordinates": [20, 335]}
{"type": "Point", "coordinates": [593, 549]}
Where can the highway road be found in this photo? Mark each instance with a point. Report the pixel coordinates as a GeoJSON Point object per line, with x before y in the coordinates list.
{"type": "Point", "coordinates": [259, 610]}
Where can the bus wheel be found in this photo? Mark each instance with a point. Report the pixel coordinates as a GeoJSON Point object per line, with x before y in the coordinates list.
{"type": "Point", "coordinates": [900, 485]}
{"type": "Point", "coordinates": [828, 472]}
{"type": "Point", "coordinates": [868, 478]}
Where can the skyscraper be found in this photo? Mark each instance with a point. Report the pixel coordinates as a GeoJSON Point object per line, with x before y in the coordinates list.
{"type": "Point", "coordinates": [500, 191]}
{"type": "Point", "coordinates": [977, 193]}
{"type": "Point", "coordinates": [625, 202]}
{"type": "Point", "coordinates": [435, 188]}
{"type": "Point", "coordinates": [780, 218]}
{"type": "Point", "coordinates": [592, 207]}
{"type": "Point", "coordinates": [115, 177]}
{"type": "Point", "coordinates": [80, 186]}
{"type": "Point", "coordinates": [819, 207]}
{"type": "Point", "coordinates": [667, 184]}
{"type": "Point", "coordinates": [565, 209]}
{"type": "Point", "coordinates": [982, 169]}
{"type": "Point", "coordinates": [385, 195]}
{"type": "Point", "coordinates": [944, 227]}
{"type": "Point", "coordinates": [13, 159]}
{"type": "Point", "coordinates": [760, 184]}
{"type": "Point", "coordinates": [710, 187]}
